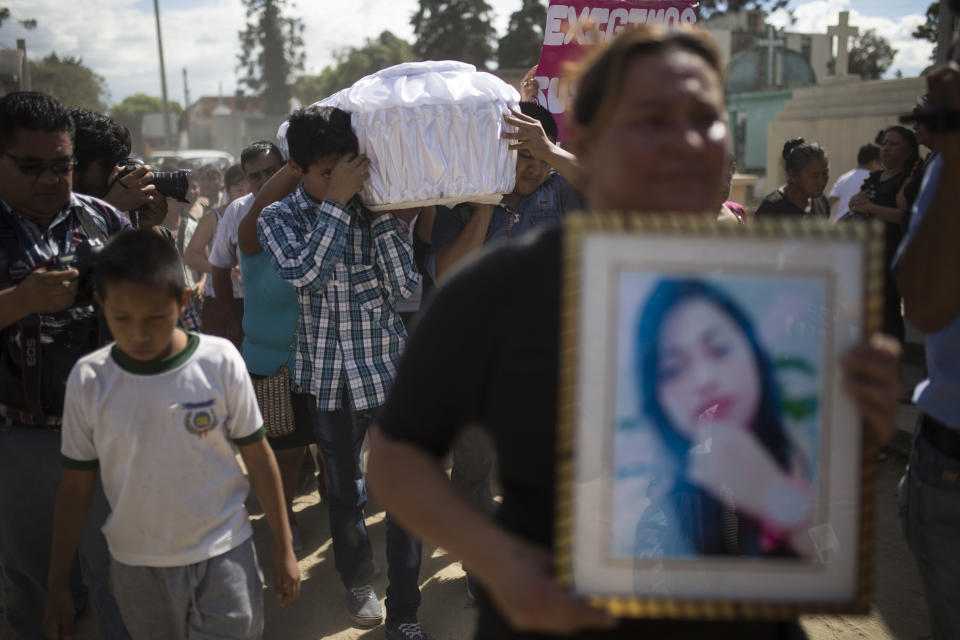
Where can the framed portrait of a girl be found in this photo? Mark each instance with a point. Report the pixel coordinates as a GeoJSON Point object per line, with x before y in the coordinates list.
{"type": "Point", "coordinates": [711, 464]}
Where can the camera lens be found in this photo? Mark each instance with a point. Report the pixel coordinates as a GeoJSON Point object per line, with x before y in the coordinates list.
{"type": "Point", "coordinates": [172, 184]}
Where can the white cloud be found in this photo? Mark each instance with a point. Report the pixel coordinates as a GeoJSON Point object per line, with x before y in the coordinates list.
{"type": "Point", "coordinates": [117, 38]}
{"type": "Point", "coordinates": [814, 17]}
{"type": "Point", "coordinates": [118, 41]}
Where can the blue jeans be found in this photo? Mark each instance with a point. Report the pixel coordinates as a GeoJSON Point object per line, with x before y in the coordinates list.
{"type": "Point", "coordinates": [340, 437]}
{"type": "Point", "coordinates": [930, 515]}
{"type": "Point", "coordinates": [30, 470]}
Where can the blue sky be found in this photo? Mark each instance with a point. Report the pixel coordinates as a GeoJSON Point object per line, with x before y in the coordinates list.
{"type": "Point", "coordinates": [117, 38]}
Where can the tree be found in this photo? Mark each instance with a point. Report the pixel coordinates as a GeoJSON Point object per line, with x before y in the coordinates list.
{"type": "Point", "coordinates": [928, 31]}
{"type": "Point", "coordinates": [130, 111]}
{"type": "Point", "coordinates": [353, 63]}
{"type": "Point", "coordinates": [520, 47]}
{"type": "Point", "coordinates": [70, 81]}
{"type": "Point", "coordinates": [271, 51]}
{"type": "Point", "coordinates": [28, 24]}
{"type": "Point", "coordinates": [454, 30]}
{"type": "Point", "coordinates": [711, 7]}
{"type": "Point", "coordinates": [871, 55]}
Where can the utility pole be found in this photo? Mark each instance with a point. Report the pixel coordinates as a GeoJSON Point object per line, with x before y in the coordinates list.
{"type": "Point", "coordinates": [163, 80]}
{"type": "Point", "coordinates": [186, 91]}
{"type": "Point", "coordinates": [186, 109]}
{"type": "Point", "coordinates": [944, 32]}
{"type": "Point", "coordinates": [24, 72]}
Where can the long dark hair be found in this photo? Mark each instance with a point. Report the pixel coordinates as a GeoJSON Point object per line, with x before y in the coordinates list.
{"type": "Point", "coordinates": [705, 519]}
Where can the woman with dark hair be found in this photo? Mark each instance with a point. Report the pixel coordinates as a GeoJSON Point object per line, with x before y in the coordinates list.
{"type": "Point", "coordinates": [899, 153]}
{"type": "Point", "coordinates": [704, 374]}
{"type": "Point", "coordinates": [648, 129]}
{"type": "Point", "coordinates": [807, 176]}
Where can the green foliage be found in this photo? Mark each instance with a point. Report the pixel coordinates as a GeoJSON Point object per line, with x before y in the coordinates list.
{"type": "Point", "coordinates": [353, 63]}
{"type": "Point", "coordinates": [871, 55]}
{"type": "Point", "coordinates": [131, 110]}
{"type": "Point", "coordinates": [271, 51]}
{"type": "Point", "coordinates": [928, 30]}
{"type": "Point", "coordinates": [799, 408]}
{"type": "Point", "coordinates": [28, 24]}
{"type": "Point", "coordinates": [794, 363]}
{"type": "Point", "coordinates": [796, 407]}
{"type": "Point", "coordinates": [520, 47]}
{"type": "Point", "coordinates": [70, 81]}
{"type": "Point", "coordinates": [454, 30]}
{"type": "Point", "coordinates": [710, 7]}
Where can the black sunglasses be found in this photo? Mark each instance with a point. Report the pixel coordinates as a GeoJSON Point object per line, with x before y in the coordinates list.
{"type": "Point", "coordinates": [34, 169]}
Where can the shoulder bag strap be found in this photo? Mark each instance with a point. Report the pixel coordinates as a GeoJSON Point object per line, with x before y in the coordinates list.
{"type": "Point", "coordinates": [91, 228]}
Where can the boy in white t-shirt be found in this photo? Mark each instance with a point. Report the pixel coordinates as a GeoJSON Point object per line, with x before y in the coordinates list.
{"type": "Point", "coordinates": [162, 413]}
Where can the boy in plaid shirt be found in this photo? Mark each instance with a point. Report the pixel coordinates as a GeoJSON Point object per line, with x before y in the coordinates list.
{"type": "Point", "coordinates": [350, 266]}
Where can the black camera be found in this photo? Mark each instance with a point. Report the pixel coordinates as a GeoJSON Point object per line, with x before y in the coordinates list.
{"type": "Point", "coordinates": [172, 184]}
{"type": "Point", "coordinates": [83, 259]}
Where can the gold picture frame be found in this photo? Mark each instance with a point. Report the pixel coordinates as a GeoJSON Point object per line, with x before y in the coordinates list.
{"type": "Point", "coordinates": [617, 270]}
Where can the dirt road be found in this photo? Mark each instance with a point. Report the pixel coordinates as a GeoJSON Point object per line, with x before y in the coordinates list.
{"type": "Point", "coordinates": [446, 613]}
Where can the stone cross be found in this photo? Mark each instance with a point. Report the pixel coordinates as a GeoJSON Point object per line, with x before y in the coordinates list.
{"type": "Point", "coordinates": [842, 31]}
{"type": "Point", "coordinates": [771, 43]}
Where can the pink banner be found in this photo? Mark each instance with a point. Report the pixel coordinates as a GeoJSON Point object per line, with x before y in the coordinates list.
{"type": "Point", "coordinates": [575, 25]}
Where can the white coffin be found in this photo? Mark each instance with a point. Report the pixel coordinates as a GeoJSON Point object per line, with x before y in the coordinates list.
{"type": "Point", "coordinates": [432, 133]}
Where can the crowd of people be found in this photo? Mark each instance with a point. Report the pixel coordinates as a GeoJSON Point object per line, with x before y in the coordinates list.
{"type": "Point", "coordinates": [277, 265]}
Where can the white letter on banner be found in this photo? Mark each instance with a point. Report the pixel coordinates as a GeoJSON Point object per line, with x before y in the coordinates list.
{"type": "Point", "coordinates": [557, 95]}
{"type": "Point", "coordinates": [618, 17]}
{"type": "Point", "coordinates": [689, 16]}
{"type": "Point", "coordinates": [576, 25]}
{"type": "Point", "coordinates": [553, 36]}
{"type": "Point", "coordinates": [655, 16]}
{"type": "Point", "coordinates": [543, 83]}
{"type": "Point", "coordinates": [672, 14]}
{"type": "Point", "coordinates": [598, 17]}
{"type": "Point", "coordinates": [638, 16]}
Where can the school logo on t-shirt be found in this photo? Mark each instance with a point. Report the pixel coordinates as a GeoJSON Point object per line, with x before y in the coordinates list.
{"type": "Point", "coordinates": [200, 417]}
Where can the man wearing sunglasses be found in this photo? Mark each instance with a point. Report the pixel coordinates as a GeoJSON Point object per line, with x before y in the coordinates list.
{"type": "Point", "coordinates": [42, 334]}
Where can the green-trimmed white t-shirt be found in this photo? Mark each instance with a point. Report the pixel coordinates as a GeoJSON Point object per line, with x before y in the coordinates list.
{"type": "Point", "coordinates": [164, 435]}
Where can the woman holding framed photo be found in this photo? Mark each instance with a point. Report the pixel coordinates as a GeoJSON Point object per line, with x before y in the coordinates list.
{"type": "Point", "coordinates": [648, 128]}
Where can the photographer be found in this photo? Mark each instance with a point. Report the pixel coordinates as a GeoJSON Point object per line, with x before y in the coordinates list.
{"type": "Point", "coordinates": [44, 228]}
{"type": "Point", "coordinates": [101, 147]}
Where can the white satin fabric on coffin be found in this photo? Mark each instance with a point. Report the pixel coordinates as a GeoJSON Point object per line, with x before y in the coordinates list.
{"type": "Point", "coordinates": [432, 132]}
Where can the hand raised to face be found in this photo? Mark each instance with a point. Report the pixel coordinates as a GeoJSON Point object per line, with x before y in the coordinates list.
{"type": "Point", "coordinates": [529, 135]}
{"type": "Point", "coordinates": [347, 177]}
